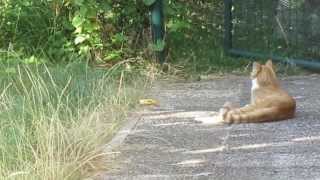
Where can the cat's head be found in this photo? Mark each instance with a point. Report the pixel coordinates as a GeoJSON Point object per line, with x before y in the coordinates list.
{"type": "Point", "coordinates": [264, 74]}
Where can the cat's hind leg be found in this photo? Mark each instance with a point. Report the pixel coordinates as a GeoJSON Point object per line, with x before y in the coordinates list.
{"type": "Point", "coordinates": [253, 116]}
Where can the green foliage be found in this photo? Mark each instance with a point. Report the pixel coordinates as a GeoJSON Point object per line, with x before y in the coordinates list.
{"type": "Point", "coordinates": [73, 29]}
{"type": "Point", "coordinates": [109, 31]}
{"type": "Point", "coordinates": [158, 46]}
{"type": "Point", "coordinates": [194, 37]}
{"type": "Point", "coordinates": [149, 2]}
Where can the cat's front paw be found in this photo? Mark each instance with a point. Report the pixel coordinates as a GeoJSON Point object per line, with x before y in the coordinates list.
{"type": "Point", "coordinates": [224, 115]}
{"type": "Point", "coordinates": [223, 112]}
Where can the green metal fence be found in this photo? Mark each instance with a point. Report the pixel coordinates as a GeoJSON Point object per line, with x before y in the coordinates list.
{"type": "Point", "coordinates": [284, 30]}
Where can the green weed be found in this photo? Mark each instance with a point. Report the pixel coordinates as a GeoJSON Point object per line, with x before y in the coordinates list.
{"type": "Point", "coordinates": [54, 121]}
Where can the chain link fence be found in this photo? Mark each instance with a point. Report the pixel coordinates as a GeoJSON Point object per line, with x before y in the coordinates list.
{"type": "Point", "coordinates": [286, 30]}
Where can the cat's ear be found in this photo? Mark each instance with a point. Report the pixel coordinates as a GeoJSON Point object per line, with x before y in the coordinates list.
{"type": "Point", "coordinates": [269, 64]}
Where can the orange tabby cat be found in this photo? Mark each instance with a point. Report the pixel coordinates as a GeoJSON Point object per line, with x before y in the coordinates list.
{"type": "Point", "coordinates": [268, 101]}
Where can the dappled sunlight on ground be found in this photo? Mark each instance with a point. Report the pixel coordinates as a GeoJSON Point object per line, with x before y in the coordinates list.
{"type": "Point", "coordinates": [310, 138]}
{"type": "Point", "coordinates": [291, 143]}
{"type": "Point", "coordinates": [203, 117]}
{"type": "Point", "coordinates": [190, 163]}
{"type": "Point", "coordinates": [181, 114]}
{"type": "Point", "coordinates": [212, 150]}
{"type": "Point", "coordinates": [172, 124]}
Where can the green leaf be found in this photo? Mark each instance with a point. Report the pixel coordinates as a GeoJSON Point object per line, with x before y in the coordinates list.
{"type": "Point", "coordinates": [119, 38]}
{"type": "Point", "coordinates": [84, 50]}
{"type": "Point", "coordinates": [66, 24]}
{"type": "Point", "coordinates": [92, 13]}
{"type": "Point", "coordinates": [89, 27]}
{"type": "Point", "coordinates": [114, 55]}
{"type": "Point", "coordinates": [78, 2]}
{"type": "Point", "coordinates": [10, 70]}
{"type": "Point", "coordinates": [105, 6]}
{"type": "Point", "coordinates": [30, 60]}
{"type": "Point", "coordinates": [158, 46]}
{"type": "Point", "coordinates": [77, 21]}
{"type": "Point", "coordinates": [83, 11]}
{"type": "Point", "coordinates": [33, 60]}
{"type": "Point", "coordinates": [178, 25]}
{"type": "Point", "coordinates": [80, 39]}
{"type": "Point", "coordinates": [149, 2]}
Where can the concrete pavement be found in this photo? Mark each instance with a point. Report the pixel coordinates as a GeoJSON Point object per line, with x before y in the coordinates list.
{"type": "Point", "coordinates": [167, 142]}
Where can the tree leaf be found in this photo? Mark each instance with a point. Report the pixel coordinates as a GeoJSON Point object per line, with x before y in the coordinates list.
{"type": "Point", "coordinates": [78, 2]}
{"type": "Point", "coordinates": [105, 6]}
{"type": "Point", "coordinates": [119, 38]}
{"type": "Point", "coordinates": [149, 102]}
{"type": "Point", "coordinates": [79, 39]}
{"type": "Point", "coordinates": [77, 21]}
{"type": "Point", "coordinates": [178, 25]}
{"type": "Point", "coordinates": [158, 46]}
{"type": "Point", "coordinates": [114, 55]}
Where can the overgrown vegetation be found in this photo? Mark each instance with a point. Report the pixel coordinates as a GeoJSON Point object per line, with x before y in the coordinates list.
{"type": "Point", "coordinates": [57, 110]}
{"type": "Point", "coordinates": [110, 31]}
{"type": "Point", "coordinates": [54, 121]}
{"type": "Point", "coordinates": [69, 30]}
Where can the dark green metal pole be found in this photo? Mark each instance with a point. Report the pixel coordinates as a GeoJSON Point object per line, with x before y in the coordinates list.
{"type": "Point", "coordinates": [227, 25]}
{"type": "Point", "coordinates": [157, 26]}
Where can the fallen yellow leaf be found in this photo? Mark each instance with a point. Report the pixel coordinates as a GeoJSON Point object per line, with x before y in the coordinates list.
{"type": "Point", "coordinates": [148, 102]}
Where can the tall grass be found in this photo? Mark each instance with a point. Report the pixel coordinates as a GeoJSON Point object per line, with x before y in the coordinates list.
{"type": "Point", "coordinates": [55, 121]}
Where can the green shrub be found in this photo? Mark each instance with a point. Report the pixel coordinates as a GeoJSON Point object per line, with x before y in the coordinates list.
{"type": "Point", "coordinates": [68, 30]}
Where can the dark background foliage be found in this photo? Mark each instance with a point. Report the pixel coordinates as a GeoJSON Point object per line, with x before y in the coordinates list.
{"type": "Point", "coordinates": [66, 30]}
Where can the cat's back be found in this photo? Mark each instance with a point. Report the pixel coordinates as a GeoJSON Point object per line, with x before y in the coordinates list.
{"type": "Point", "coordinates": [274, 96]}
